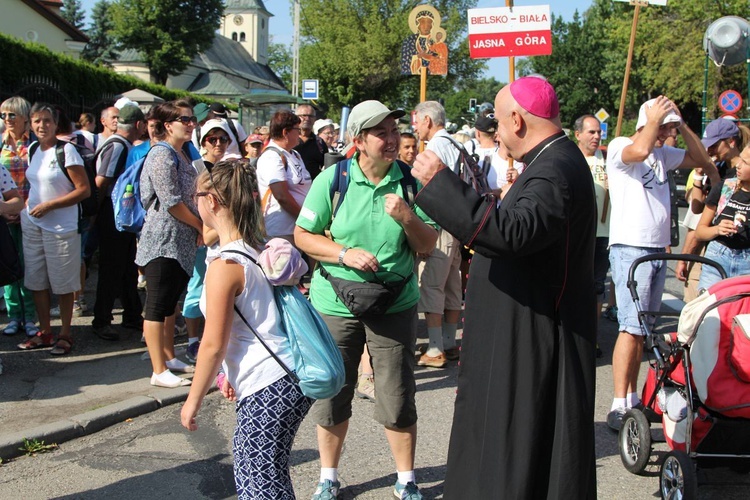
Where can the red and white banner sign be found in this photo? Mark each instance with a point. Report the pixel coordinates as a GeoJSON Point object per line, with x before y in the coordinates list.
{"type": "Point", "coordinates": [510, 31]}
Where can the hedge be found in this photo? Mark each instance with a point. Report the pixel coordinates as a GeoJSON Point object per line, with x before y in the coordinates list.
{"type": "Point", "coordinates": [23, 61]}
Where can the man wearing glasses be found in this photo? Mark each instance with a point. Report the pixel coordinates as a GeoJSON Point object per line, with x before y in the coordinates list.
{"type": "Point", "coordinates": [311, 147]}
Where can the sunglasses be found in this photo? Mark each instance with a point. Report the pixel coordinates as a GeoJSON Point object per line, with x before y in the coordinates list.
{"type": "Point", "coordinates": [200, 194]}
{"type": "Point", "coordinates": [9, 116]}
{"type": "Point", "coordinates": [186, 119]}
{"type": "Point", "coordinates": [217, 139]}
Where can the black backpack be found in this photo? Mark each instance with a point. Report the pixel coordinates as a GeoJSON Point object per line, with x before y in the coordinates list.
{"type": "Point", "coordinates": [469, 170]}
{"type": "Point", "coordinates": [89, 206]}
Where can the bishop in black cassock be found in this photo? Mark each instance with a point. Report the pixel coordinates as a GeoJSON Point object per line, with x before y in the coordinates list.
{"type": "Point", "coordinates": [523, 426]}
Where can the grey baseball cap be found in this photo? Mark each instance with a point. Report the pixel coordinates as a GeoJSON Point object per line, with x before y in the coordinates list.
{"type": "Point", "coordinates": [369, 114]}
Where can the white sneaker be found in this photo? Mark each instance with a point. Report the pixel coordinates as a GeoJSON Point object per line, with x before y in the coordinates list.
{"type": "Point", "coordinates": [168, 380]}
{"type": "Point", "coordinates": [54, 312]}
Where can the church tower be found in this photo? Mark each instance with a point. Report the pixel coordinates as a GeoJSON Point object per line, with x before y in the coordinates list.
{"type": "Point", "coordinates": [246, 22]}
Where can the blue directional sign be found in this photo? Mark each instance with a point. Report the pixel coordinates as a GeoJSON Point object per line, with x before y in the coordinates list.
{"type": "Point", "coordinates": [310, 89]}
{"type": "Point", "coordinates": [730, 101]}
{"type": "Point", "coordinates": [604, 127]}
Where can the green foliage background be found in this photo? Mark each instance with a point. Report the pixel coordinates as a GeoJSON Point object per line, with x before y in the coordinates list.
{"type": "Point", "coordinates": [76, 79]}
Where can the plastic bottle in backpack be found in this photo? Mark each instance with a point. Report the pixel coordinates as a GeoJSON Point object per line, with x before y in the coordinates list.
{"type": "Point", "coordinates": [127, 205]}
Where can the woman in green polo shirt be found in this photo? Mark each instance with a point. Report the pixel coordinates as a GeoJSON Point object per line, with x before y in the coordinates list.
{"type": "Point", "coordinates": [374, 238]}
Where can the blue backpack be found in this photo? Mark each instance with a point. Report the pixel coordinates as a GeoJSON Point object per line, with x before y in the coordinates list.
{"type": "Point", "coordinates": [129, 210]}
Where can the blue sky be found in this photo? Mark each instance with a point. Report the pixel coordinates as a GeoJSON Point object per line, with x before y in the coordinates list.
{"type": "Point", "coordinates": [282, 27]}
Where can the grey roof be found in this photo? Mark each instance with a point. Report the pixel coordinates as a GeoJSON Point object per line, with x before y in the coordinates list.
{"type": "Point", "coordinates": [244, 5]}
{"type": "Point", "coordinates": [226, 57]}
{"type": "Point", "coordinates": [216, 84]}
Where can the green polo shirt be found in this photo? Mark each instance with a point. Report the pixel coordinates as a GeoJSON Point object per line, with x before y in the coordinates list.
{"type": "Point", "coordinates": [361, 222]}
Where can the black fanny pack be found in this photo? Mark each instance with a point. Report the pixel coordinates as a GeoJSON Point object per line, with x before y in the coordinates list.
{"type": "Point", "coordinates": [365, 298]}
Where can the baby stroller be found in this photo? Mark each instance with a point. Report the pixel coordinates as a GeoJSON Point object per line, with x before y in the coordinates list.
{"type": "Point", "coordinates": [698, 385]}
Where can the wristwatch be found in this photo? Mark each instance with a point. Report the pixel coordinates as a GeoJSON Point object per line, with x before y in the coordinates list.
{"type": "Point", "coordinates": [341, 255]}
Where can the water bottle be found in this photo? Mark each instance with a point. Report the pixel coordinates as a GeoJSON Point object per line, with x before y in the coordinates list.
{"type": "Point", "coordinates": [127, 204]}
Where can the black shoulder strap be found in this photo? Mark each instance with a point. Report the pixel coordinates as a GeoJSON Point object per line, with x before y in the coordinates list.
{"type": "Point", "coordinates": [121, 160]}
{"type": "Point", "coordinates": [60, 152]}
{"type": "Point", "coordinates": [32, 149]}
{"type": "Point", "coordinates": [231, 126]}
{"type": "Point", "coordinates": [408, 183]}
{"type": "Point", "coordinates": [257, 335]}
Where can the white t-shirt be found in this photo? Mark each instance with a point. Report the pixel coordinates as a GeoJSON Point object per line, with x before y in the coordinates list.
{"type": "Point", "coordinates": [444, 148]}
{"type": "Point", "coordinates": [497, 176]}
{"type": "Point", "coordinates": [47, 182]}
{"type": "Point", "coordinates": [270, 169]}
{"type": "Point", "coordinates": [639, 193]}
{"type": "Point", "coordinates": [598, 168]}
{"type": "Point", "coordinates": [249, 366]}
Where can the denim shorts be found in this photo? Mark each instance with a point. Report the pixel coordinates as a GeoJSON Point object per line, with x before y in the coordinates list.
{"type": "Point", "coordinates": [650, 277]}
{"type": "Point", "coordinates": [734, 262]}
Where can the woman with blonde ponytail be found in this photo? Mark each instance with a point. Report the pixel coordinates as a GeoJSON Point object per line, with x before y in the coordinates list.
{"type": "Point", "coordinates": [270, 405]}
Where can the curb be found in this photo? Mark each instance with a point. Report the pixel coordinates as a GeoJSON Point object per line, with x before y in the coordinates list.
{"type": "Point", "coordinates": [92, 421]}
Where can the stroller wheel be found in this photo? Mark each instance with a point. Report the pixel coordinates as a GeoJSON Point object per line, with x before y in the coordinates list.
{"type": "Point", "coordinates": [678, 479]}
{"type": "Point", "coordinates": [635, 441]}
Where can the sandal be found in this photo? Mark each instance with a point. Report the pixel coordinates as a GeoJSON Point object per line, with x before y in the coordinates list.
{"type": "Point", "coordinates": [41, 339]}
{"type": "Point", "coordinates": [62, 346]}
{"type": "Point", "coordinates": [31, 329]}
{"type": "Point", "coordinates": [12, 328]}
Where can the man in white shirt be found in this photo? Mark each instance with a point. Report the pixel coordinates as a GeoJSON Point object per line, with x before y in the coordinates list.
{"type": "Point", "coordinates": [439, 272]}
{"type": "Point", "coordinates": [637, 168]}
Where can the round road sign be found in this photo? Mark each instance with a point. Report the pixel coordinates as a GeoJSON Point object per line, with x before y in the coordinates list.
{"type": "Point", "coordinates": [730, 101]}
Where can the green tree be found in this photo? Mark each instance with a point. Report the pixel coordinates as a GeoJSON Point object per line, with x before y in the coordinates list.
{"type": "Point", "coordinates": [72, 12]}
{"type": "Point", "coordinates": [167, 33]}
{"type": "Point", "coordinates": [280, 60]}
{"type": "Point", "coordinates": [357, 57]}
{"type": "Point", "coordinates": [457, 103]}
{"type": "Point", "coordinates": [101, 47]}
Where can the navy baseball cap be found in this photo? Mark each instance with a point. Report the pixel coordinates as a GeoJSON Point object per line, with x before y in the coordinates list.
{"type": "Point", "coordinates": [719, 129]}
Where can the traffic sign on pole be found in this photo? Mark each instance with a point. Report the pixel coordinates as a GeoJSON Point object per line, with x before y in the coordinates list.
{"type": "Point", "coordinates": [730, 101]}
{"type": "Point", "coordinates": [602, 115]}
{"type": "Point", "coordinates": [310, 89]}
{"type": "Point", "coordinates": [604, 128]}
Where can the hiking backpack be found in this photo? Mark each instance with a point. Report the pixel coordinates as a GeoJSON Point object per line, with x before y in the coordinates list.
{"type": "Point", "coordinates": [340, 185]}
{"type": "Point", "coordinates": [128, 207]}
{"type": "Point", "coordinates": [469, 170]}
{"type": "Point", "coordinates": [89, 206]}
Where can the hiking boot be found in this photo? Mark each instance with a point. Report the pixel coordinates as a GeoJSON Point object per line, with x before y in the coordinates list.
{"type": "Point", "coordinates": [438, 361]}
{"type": "Point", "coordinates": [408, 491]}
{"type": "Point", "coordinates": [614, 418]}
{"type": "Point", "coordinates": [327, 490]}
{"type": "Point", "coordinates": [366, 387]}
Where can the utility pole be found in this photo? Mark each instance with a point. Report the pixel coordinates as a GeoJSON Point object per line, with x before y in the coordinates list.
{"type": "Point", "coordinates": [295, 51]}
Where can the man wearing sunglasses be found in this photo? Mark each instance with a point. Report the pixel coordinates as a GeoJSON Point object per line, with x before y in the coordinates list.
{"type": "Point", "coordinates": [118, 274]}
